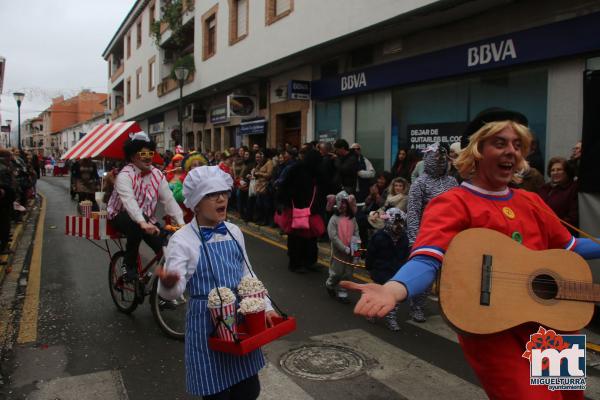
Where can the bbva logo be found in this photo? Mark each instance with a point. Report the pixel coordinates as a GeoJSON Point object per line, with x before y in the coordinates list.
{"type": "Point", "coordinates": [354, 81]}
{"type": "Point", "coordinates": [488, 52]}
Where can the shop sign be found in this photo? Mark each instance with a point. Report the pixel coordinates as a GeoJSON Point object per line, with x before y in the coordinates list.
{"type": "Point", "coordinates": [241, 106]}
{"type": "Point", "coordinates": [423, 135]}
{"type": "Point", "coordinates": [218, 115]}
{"type": "Point", "coordinates": [328, 136]}
{"type": "Point", "coordinates": [488, 52]}
{"type": "Point", "coordinates": [353, 81]}
{"type": "Point", "coordinates": [560, 39]}
{"type": "Point", "coordinates": [258, 127]}
{"type": "Point", "coordinates": [156, 127]}
{"type": "Point", "coordinates": [299, 90]}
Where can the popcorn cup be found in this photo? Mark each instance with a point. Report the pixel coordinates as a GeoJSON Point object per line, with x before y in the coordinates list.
{"type": "Point", "coordinates": [229, 313]}
{"type": "Point", "coordinates": [259, 295]}
{"type": "Point", "coordinates": [86, 209]}
{"type": "Point", "coordinates": [255, 322]}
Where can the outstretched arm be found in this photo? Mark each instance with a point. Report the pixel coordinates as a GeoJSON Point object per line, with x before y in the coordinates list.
{"type": "Point", "coordinates": [587, 248]}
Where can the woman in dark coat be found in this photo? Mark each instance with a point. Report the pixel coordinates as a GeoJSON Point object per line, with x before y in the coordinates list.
{"type": "Point", "coordinates": [561, 192]}
{"type": "Point", "coordinates": [298, 189]}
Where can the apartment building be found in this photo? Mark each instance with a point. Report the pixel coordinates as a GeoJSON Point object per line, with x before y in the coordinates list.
{"type": "Point", "coordinates": [64, 113]}
{"type": "Point", "coordinates": [388, 74]}
{"type": "Point", "coordinates": [32, 135]}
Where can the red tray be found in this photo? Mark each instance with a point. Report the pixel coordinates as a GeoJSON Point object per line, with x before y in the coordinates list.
{"type": "Point", "coordinates": [247, 343]}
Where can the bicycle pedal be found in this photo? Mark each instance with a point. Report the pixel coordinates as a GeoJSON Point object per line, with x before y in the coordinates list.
{"type": "Point", "coordinates": [140, 292]}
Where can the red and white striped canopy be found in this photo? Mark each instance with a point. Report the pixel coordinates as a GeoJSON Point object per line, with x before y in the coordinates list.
{"type": "Point", "coordinates": [105, 140]}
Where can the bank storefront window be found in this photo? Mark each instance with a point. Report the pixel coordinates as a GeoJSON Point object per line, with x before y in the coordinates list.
{"type": "Point", "coordinates": [440, 111]}
{"type": "Point", "coordinates": [371, 122]}
{"type": "Point", "coordinates": [328, 121]}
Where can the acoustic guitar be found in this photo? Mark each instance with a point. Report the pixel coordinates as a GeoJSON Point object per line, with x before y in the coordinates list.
{"type": "Point", "coordinates": [490, 283]}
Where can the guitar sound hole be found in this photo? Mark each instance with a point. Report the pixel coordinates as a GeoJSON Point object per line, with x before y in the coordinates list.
{"type": "Point", "coordinates": [545, 287]}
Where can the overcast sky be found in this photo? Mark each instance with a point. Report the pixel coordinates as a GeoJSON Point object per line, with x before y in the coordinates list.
{"type": "Point", "coordinates": [53, 48]}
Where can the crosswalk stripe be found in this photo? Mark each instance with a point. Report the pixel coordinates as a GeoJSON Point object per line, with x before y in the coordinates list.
{"type": "Point", "coordinates": [274, 384]}
{"type": "Point", "coordinates": [404, 373]}
{"type": "Point", "coordinates": [104, 385]}
{"type": "Point", "coordinates": [436, 325]}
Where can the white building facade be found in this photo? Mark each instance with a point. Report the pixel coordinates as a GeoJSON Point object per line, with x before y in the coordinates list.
{"type": "Point", "coordinates": [388, 74]}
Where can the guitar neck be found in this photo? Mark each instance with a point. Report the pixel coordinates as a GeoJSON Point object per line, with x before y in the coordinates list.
{"type": "Point", "coordinates": [578, 291]}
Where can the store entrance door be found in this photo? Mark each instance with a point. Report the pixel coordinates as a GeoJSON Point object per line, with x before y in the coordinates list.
{"type": "Point", "coordinates": [190, 142]}
{"type": "Point", "coordinates": [289, 128]}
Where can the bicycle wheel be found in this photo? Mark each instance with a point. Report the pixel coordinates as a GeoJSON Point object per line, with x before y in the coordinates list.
{"type": "Point", "coordinates": [123, 294]}
{"type": "Point", "coordinates": [169, 314]}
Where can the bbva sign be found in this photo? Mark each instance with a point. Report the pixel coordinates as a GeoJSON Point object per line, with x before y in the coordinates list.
{"type": "Point", "coordinates": [353, 81]}
{"type": "Point", "coordinates": [488, 52]}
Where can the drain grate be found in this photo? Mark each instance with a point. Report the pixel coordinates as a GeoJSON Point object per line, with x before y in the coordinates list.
{"type": "Point", "coordinates": [323, 362]}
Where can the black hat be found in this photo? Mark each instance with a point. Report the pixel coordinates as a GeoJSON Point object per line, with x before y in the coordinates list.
{"type": "Point", "coordinates": [491, 115]}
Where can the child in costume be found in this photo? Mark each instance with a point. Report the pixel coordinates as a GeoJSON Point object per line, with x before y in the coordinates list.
{"type": "Point", "coordinates": [209, 243]}
{"type": "Point", "coordinates": [341, 228]}
{"type": "Point", "coordinates": [434, 181]}
{"type": "Point", "coordinates": [387, 251]}
{"type": "Point", "coordinates": [175, 176]}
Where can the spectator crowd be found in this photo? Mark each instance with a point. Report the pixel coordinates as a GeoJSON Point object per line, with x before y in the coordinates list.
{"type": "Point", "coordinates": [351, 205]}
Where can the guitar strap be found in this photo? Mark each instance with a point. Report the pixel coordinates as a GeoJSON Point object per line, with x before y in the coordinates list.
{"type": "Point", "coordinates": [565, 223]}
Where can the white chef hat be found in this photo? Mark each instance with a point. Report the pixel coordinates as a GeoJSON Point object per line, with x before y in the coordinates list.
{"type": "Point", "coordinates": [201, 181]}
{"type": "Point", "coordinates": [141, 135]}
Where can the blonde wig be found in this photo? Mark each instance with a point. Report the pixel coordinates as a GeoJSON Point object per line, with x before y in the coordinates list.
{"type": "Point", "coordinates": [466, 163]}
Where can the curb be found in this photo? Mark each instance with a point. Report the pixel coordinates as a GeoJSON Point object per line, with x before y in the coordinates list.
{"type": "Point", "coordinates": [17, 232]}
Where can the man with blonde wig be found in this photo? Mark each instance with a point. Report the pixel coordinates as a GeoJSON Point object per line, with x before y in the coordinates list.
{"type": "Point", "coordinates": [494, 147]}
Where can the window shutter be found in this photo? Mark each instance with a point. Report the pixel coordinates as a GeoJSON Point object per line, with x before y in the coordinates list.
{"type": "Point", "coordinates": [281, 6]}
{"type": "Point", "coordinates": [242, 17]}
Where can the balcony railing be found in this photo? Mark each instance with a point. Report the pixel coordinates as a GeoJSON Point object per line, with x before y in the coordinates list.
{"type": "Point", "coordinates": [120, 110]}
{"type": "Point", "coordinates": [118, 72]}
{"type": "Point", "coordinates": [168, 85]}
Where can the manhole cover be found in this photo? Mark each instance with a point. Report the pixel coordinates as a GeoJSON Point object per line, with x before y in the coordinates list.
{"type": "Point", "coordinates": [323, 362]}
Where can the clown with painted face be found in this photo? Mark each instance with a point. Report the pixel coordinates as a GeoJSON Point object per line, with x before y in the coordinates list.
{"type": "Point", "coordinates": [495, 144]}
{"type": "Point", "coordinates": [139, 187]}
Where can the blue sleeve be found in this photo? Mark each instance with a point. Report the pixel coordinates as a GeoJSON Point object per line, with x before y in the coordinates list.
{"type": "Point", "coordinates": [418, 274]}
{"type": "Point", "coordinates": [587, 248]}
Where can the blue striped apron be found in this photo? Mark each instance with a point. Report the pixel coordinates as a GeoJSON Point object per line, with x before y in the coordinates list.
{"type": "Point", "coordinates": [209, 372]}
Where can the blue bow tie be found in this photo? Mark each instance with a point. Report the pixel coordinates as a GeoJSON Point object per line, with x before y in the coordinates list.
{"type": "Point", "coordinates": [207, 233]}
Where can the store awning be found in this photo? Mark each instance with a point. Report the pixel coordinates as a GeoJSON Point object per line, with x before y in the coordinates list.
{"type": "Point", "coordinates": [105, 140]}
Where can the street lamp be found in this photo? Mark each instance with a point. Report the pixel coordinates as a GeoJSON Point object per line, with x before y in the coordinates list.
{"type": "Point", "coordinates": [181, 73]}
{"type": "Point", "coordinates": [9, 122]}
{"type": "Point", "coordinates": [19, 98]}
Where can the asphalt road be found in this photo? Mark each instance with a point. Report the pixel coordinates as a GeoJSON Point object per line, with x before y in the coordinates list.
{"type": "Point", "coordinates": [85, 346]}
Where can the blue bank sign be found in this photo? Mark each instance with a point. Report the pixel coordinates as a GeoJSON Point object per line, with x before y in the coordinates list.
{"type": "Point", "coordinates": [560, 39]}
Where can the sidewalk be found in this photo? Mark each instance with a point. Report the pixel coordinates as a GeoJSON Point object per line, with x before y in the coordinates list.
{"type": "Point", "coordinates": [16, 231]}
{"type": "Point", "coordinates": [279, 239]}
{"type": "Point", "coordinates": [14, 279]}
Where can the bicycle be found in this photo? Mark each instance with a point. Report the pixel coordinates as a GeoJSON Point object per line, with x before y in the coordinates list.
{"type": "Point", "coordinates": [168, 314]}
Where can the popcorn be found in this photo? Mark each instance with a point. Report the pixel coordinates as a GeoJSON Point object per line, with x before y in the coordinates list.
{"type": "Point", "coordinates": [85, 203]}
{"type": "Point", "coordinates": [252, 305]}
{"type": "Point", "coordinates": [226, 294]}
{"type": "Point", "coordinates": [250, 286]}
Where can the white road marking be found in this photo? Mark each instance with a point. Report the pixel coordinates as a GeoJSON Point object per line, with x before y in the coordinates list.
{"type": "Point", "coordinates": [436, 325]}
{"type": "Point", "coordinates": [276, 385]}
{"type": "Point", "coordinates": [105, 385]}
{"type": "Point", "coordinates": [404, 373]}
